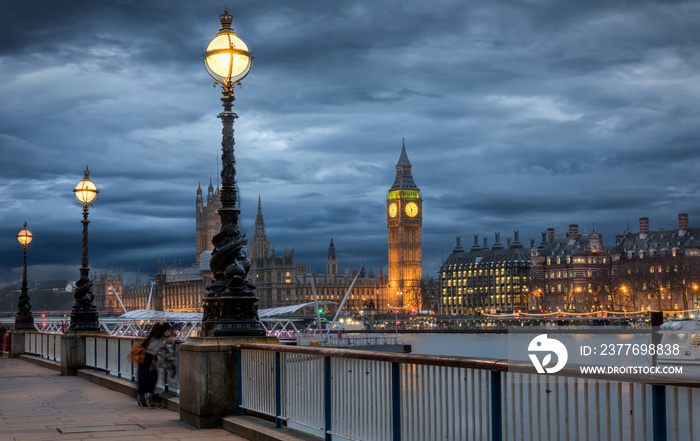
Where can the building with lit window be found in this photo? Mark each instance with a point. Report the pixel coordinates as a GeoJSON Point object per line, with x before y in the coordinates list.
{"type": "Point", "coordinates": [574, 271]}
{"type": "Point", "coordinates": [281, 281]}
{"type": "Point", "coordinates": [567, 271]}
{"type": "Point", "coordinates": [658, 269]}
{"type": "Point", "coordinates": [279, 278]}
{"type": "Point", "coordinates": [485, 279]}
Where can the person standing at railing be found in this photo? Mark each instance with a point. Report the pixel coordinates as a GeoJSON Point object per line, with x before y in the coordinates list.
{"type": "Point", "coordinates": [166, 356]}
{"type": "Point", "coordinates": [148, 370]}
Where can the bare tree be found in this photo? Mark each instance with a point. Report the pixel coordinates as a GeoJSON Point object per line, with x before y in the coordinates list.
{"type": "Point", "coordinates": [605, 286]}
{"type": "Point", "coordinates": [653, 279]}
{"type": "Point", "coordinates": [633, 286]}
{"type": "Point", "coordinates": [537, 290]}
{"type": "Point", "coordinates": [413, 297]}
{"type": "Point", "coordinates": [430, 287]}
{"type": "Point", "coordinates": [682, 275]}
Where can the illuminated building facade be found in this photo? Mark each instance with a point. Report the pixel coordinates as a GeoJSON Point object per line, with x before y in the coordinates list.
{"type": "Point", "coordinates": [658, 269]}
{"type": "Point", "coordinates": [567, 270]}
{"type": "Point", "coordinates": [485, 279]}
{"type": "Point", "coordinates": [281, 281]}
{"type": "Point", "coordinates": [404, 218]}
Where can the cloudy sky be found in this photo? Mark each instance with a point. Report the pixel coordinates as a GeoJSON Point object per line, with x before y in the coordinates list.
{"type": "Point", "coordinates": [517, 115]}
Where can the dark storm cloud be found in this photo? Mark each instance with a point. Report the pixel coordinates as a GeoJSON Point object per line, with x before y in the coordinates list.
{"type": "Point", "coordinates": [517, 115]}
{"type": "Point", "coordinates": [507, 205]}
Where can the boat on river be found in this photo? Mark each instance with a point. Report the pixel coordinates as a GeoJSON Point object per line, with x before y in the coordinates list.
{"type": "Point", "coordinates": [683, 335]}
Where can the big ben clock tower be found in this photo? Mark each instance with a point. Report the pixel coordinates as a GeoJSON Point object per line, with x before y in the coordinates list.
{"type": "Point", "coordinates": [404, 219]}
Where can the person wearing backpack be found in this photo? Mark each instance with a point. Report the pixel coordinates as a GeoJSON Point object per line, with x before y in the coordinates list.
{"type": "Point", "coordinates": [147, 371]}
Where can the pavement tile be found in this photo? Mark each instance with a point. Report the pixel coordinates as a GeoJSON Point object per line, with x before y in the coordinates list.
{"type": "Point", "coordinates": [37, 400]}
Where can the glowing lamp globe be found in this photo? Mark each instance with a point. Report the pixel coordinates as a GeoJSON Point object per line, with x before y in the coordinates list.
{"type": "Point", "coordinates": [24, 236]}
{"type": "Point", "coordinates": [85, 191]}
{"type": "Point", "coordinates": [227, 58]}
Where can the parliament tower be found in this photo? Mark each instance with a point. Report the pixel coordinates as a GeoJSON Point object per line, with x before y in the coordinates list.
{"type": "Point", "coordinates": [404, 218]}
{"type": "Point", "coordinates": [208, 220]}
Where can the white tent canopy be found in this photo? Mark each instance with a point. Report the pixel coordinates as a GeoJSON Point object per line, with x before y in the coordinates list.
{"type": "Point", "coordinates": [152, 316]}
{"type": "Point", "coordinates": [273, 312]}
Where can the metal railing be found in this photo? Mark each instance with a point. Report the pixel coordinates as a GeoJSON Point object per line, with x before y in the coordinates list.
{"type": "Point", "coordinates": [362, 395]}
{"type": "Point", "coordinates": [46, 345]}
{"type": "Point", "coordinates": [347, 340]}
{"type": "Point", "coordinates": [111, 355]}
{"type": "Point", "coordinates": [103, 353]}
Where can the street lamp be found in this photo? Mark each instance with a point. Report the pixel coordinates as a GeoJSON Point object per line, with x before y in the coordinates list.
{"type": "Point", "coordinates": [24, 319]}
{"type": "Point", "coordinates": [83, 317]}
{"type": "Point", "coordinates": [230, 307]}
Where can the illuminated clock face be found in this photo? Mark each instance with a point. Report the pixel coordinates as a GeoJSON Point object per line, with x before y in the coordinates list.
{"type": "Point", "coordinates": [392, 210]}
{"type": "Point", "coordinates": [411, 209]}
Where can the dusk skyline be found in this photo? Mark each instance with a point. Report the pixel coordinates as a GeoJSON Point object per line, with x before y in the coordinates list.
{"type": "Point", "coordinates": [516, 116]}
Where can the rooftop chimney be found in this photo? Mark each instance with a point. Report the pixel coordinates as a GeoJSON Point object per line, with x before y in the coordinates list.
{"type": "Point", "coordinates": [497, 245]}
{"type": "Point", "coordinates": [475, 247]}
{"type": "Point", "coordinates": [644, 225]}
{"type": "Point", "coordinates": [550, 235]}
{"type": "Point", "coordinates": [486, 243]}
{"type": "Point", "coordinates": [516, 240]}
{"type": "Point", "coordinates": [458, 247]}
{"type": "Point", "coordinates": [573, 232]}
{"type": "Point", "coordinates": [683, 221]}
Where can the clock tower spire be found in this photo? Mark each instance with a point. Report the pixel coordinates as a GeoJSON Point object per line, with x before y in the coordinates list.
{"type": "Point", "coordinates": [404, 222]}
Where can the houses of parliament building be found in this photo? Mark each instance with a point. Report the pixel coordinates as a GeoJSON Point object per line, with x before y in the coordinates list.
{"type": "Point", "coordinates": [280, 278]}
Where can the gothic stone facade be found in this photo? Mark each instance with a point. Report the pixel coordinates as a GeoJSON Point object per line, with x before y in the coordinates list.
{"type": "Point", "coordinates": [280, 280]}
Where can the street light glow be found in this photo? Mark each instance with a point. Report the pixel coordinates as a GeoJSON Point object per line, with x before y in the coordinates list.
{"type": "Point", "coordinates": [86, 191]}
{"type": "Point", "coordinates": [25, 236]}
{"type": "Point", "coordinates": [227, 58]}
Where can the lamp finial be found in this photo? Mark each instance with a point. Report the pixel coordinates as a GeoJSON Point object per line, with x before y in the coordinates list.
{"type": "Point", "coordinates": [226, 20]}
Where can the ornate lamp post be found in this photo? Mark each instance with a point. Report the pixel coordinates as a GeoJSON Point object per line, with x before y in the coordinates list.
{"type": "Point", "coordinates": [24, 319]}
{"type": "Point", "coordinates": [230, 307]}
{"type": "Point", "coordinates": [83, 317]}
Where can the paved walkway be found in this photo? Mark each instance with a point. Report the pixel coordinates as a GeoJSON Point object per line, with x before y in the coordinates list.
{"type": "Point", "coordinates": [37, 404]}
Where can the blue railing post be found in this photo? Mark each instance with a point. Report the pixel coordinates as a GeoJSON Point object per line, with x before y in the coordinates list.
{"type": "Point", "coordinates": [54, 347]}
{"type": "Point", "coordinates": [278, 389]}
{"type": "Point", "coordinates": [396, 401]}
{"type": "Point", "coordinates": [119, 358]}
{"type": "Point", "coordinates": [658, 411]}
{"type": "Point", "coordinates": [327, 396]}
{"type": "Point", "coordinates": [95, 354]}
{"type": "Point", "coordinates": [107, 355]}
{"type": "Point", "coordinates": [133, 377]}
{"type": "Point", "coordinates": [240, 382]}
{"type": "Point", "coordinates": [496, 407]}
